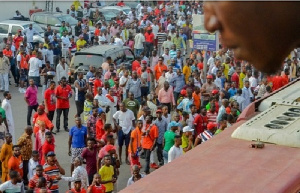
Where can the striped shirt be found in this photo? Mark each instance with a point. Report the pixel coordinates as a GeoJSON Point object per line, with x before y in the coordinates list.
{"type": "Point", "coordinates": [212, 117]}
{"type": "Point", "coordinates": [206, 135]}
{"type": "Point", "coordinates": [161, 38]}
{"type": "Point", "coordinates": [53, 173]}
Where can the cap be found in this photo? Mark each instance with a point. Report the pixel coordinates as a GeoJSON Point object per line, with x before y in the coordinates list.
{"type": "Point", "coordinates": [159, 111]}
{"type": "Point", "coordinates": [214, 92]}
{"type": "Point", "coordinates": [81, 36]}
{"type": "Point", "coordinates": [100, 111]}
{"type": "Point", "coordinates": [187, 129]}
{"type": "Point", "coordinates": [146, 108]}
{"type": "Point", "coordinates": [183, 92]}
{"type": "Point", "coordinates": [209, 77]}
{"type": "Point", "coordinates": [210, 126]}
{"type": "Point", "coordinates": [110, 147]}
{"type": "Point", "coordinates": [116, 79]}
{"type": "Point", "coordinates": [50, 153]}
{"type": "Point", "coordinates": [173, 124]}
{"type": "Point", "coordinates": [144, 62]}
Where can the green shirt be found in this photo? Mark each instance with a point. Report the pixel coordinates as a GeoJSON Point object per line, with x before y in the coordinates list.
{"type": "Point", "coordinates": [218, 131]}
{"type": "Point", "coordinates": [111, 83]}
{"type": "Point", "coordinates": [133, 105]}
{"type": "Point", "coordinates": [169, 140]}
{"type": "Point", "coordinates": [2, 112]}
{"type": "Point", "coordinates": [62, 29]}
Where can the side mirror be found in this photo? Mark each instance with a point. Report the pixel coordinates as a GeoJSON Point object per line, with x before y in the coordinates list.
{"type": "Point", "coordinates": [57, 25]}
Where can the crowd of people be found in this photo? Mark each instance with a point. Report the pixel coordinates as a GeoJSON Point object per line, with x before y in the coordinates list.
{"type": "Point", "coordinates": [159, 109]}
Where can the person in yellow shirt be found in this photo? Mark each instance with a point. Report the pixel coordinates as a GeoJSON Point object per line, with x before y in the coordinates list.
{"type": "Point", "coordinates": [77, 4]}
{"type": "Point", "coordinates": [242, 76]}
{"type": "Point", "coordinates": [107, 174]}
{"type": "Point", "coordinates": [226, 66]}
{"type": "Point", "coordinates": [187, 70]}
{"type": "Point", "coordinates": [80, 43]}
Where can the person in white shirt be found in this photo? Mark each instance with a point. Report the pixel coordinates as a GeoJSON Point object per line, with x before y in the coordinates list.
{"type": "Point", "coordinates": [218, 80]}
{"type": "Point", "coordinates": [211, 62]}
{"type": "Point", "coordinates": [124, 121]}
{"type": "Point", "coordinates": [62, 69]}
{"type": "Point", "coordinates": [155, 28]}
{"type": "Point", "coordinates": [101, 98]}
{"type": "Point", "coordinates": [170, 74]}
{"type": "Point", "coordinates": [123, 82]}
{"type": "Point", "coordinates": [167, 44]}
{"type": "Point", "coordinates": [139, 40]}
{"type": "Point", "coordinates": [216, 67]}
{"type": "Point", "coordinates": [253, 80]}
{"type": "Point", "coordinates": [33, 162]}
{"type": "Point", "coordinates": [9, 116]}
{"type": "Point", "coordinates": [66, 43]}
{"type": "Point", "coordinates": [35, 66]}
{"type": "Point", "coordinates": [15, 183]}
{"type": "Point", "coordinates": [167, 57]}
{"type": "Point", "coordinates": [136, 175]}
{"type": "Point", "coordinates": [176, 150]}
{"type": "Point", "coordinates": [29, 33]}
{"type": "Point", "coordinates": [118, 40]}
{"type": "Point", "coordinates": [50, 55]}
{"type": "Point", "coordinates": [247, 94]}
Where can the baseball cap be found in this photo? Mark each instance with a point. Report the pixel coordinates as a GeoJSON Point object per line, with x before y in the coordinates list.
{"type": "Point", "coordinates": [144, 62]}
{"type": "Point", "coordinates": [50, 153]}
{"type": "Point", "coordinates": [209, 77]}
{"type": "Point", "coordinates": [110, 147]}
{"type": "Point", "coordinates": [187, 129]}
{"type": "Point", "coordinates": [159, 111]}
{"type": "Point", "coordinates": [183, 92]}
{"type": "Point", "coordinates": [100, 111]}
{"type": "Point", "coordinates": [214, 92]}
{"type": "Point", "coordinates": [173, 124]}
{"type": "Point", "coordinates": [210, 126]}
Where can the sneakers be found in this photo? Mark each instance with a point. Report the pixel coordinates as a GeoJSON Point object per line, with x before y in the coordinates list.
{"type": "Point", "coordinates": [154, 166]}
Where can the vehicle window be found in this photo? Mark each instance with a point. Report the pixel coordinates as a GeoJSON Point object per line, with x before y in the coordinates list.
{"type": "Point", "coordinates": [15, 29]}
{"type": "Point", "coordinates": [52, 21]}
{"type": "Point", "coordinates": [128, 54]}
{"type": "Point", "coordinates": [3, 29]}
{"type": "Point", "coordinates": [88, 60]}
{"type": "Point", "coordinates": [39, 19]}
{"type": "Point", "coordinates": [68, 18]}
{"type": "Point", "coordinates": [35, 26]}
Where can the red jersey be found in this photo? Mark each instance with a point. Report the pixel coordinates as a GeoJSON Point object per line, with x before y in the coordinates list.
{"type": "Point", "coordinates": [149, 37]}
{"type": "Point", "coordinates": [277, 82]}
{"type": "Point", "coordinates": [7, 53]}
{"type": "Point", "coordinates": [200, 123]}
{"type": "Point", "coordinates": [33, 182]}
{"type": "Point", "coordinates": [285, 79]}
{"type": "Point", "coordinates": [121, 4]}
{"type": "Point", "coordinates": [18, 40]}
{"type": "Point", "coordinates": [50, 99]}
{"type": "Point", "coordinates": [97, 84]}
{"type": "Point", "coordinates": [63, 92]}
{"type": "Point", "coordinates": [81, 191]}
{"type": "Point", "coordinates": [235, 78]}
{"type": "Point", "coordinates": [97, 189]}
{"type": "Point", "coordinates": [47, 147]}
{"type": "Point", "coordinates": [99, 129]}
{"type": "Point", "coordinates": [15, 163]}
{"type": "Point", "coordinates": [135, 65]}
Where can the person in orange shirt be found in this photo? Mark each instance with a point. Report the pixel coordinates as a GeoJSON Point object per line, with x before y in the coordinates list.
{"type": "Point", "coordinates": [150, 135]}
{"type": "Point", "coordinates": [41, 116]}
{"type": "Point", "coordinates": [285, 77]}
{"type": "Point", "coordinates": [15, 161]}
{"type": "Point", "coordinates": [159, 68]}
{"type": "Point", "coordinates": [135, 144]}
{"type": "Point", "coordinates": [100, 124]}
{"type": "Point", "coordinates": [77, 187]}
{"type": "Point", "coordinates": [197, 98]}
{"type": "Point", "coordinates": [136, 64]}
{"type": "Point", "coordinates": [6, 153]}
{"type": "Point", "coordinates": [277, 81]}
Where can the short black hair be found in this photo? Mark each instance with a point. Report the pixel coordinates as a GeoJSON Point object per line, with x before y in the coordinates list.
{"type": "Point", "coordinates": [177, 136]}
{"type": "Point", "coordinates": [14, 146]}
{"type": "Point", "coordinates": [5, 94]}
{"type": "Point", "coordinates": [35, 152]}
{"type": "Point", "coordinates": [107, 126]}
{"type": "Point", "coordinates": [13, 174]}
{"type": "Point", "coordinates": [48, 133]}
{"type": "Point", "coordinates": [109, 137]}
{"type": "Point", "coordinates": [91, 139]}
{"type": "Point", "coordinates": [39, 166]}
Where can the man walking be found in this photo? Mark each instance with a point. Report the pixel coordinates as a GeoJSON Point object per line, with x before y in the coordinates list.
{"type": "Point", "coordinates": [50, 101]}
{"type": "Point", "coordinates": [80, 90]}
{"type": "Point", "coordinates": [8, 112]}
{"type": "Point", "coordinates": [63, 93]}
{"type": "Point", "coordinates": [4, 70]}
{"type": "Point", "coordinates": [31, 99]}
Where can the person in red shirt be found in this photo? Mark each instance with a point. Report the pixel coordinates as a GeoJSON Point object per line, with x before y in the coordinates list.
{"type": "Point", "coordinates": [18, 39]}
{"type": "Point", "coordinates": [97, 83]}
{"type": "Point", "coordinates": [41, 116]}
{"type": "Point", "coordinates": [63, 93]}
{"type": "Point", "coordinates": [77, 187]}
{"type": "Point", "coordinates": [100, 125]}
{"type": "Point", "coordinates": [136, 64]}
{"type": "Point", "coordinates": [285, 77]}
{"type": "Point", "coordinates": [159, 68]}
{"type": "Point", "coordinates": [148, 143]}
{"type": "Point", "coordinates": [50, 101]}
{"type": "Point", "coordinates": [200, 64]}
{"type": "Point", "coordinates": [236, 77]}
{"type": "Point", "coordinates": [96, 186]}
{"type": "Point", "coordinates": [97, 30]}
{"type": "Point", "coordinates": [277, 81]}
{"type": "Point", "coordinates": [15, 162]}
{"type": "Point", "coordinates": [200, 122]}
{"type": "Point", "coordinates": [121, 4]}
{"type": "Point", "coordinates": [149, 42]}
{"type": "Point", "coordinates": [47, 146]}
{"type": "Point", "coordinates": [39, 172]}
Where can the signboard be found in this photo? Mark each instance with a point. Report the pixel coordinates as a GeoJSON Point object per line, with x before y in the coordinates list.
{"type": "Point", "coordinates": [202, 39]}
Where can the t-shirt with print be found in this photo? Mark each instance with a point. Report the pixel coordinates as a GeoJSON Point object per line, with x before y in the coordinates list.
{"type": "Point", "coordinates": [50, 99]}
{"type": "Point", "coordinates": [8, 187]}
{"type": "Point", "coordinates": [63, 92]}
{"type": "Point", "coordinates": [133, 105]}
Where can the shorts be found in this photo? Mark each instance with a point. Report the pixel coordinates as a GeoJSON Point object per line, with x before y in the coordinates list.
{"type": "Point", "coordinates": [123, 137]}
{"type": "Point", "coordinates": [23, 75]}
{"type": "Point", "coordinates": [75, 152]}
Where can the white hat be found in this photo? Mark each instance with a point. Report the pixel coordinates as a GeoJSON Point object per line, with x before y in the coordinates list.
{"type": "Point", "coordinates": [187, 128]}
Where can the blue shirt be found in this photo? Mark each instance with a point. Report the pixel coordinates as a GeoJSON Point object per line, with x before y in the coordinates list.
{"type": "Point", "coordinates": [232, 92]}
{"type": "Point", "coordinates": [78, 135]}
{"type": "Point", "coordinates": [178, 82]}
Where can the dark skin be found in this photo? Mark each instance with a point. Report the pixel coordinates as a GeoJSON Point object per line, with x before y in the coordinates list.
{"type": "Point", "coordinates": [139, 126]}
{"type": "Point", "coordinates": [148, 122]}
{"type": "Point", "coordinates": [63, 84]}
{"type": "Point", "coordinates": [237, 33]}
{"type": "Point", "coordinates": [5, 122]}
{"type": "Point", "coordinates": [96, 182]}
{"type": "Point", "coordinates": [39, 172]}
{"type": "Point", "coordinates": [107, 162]}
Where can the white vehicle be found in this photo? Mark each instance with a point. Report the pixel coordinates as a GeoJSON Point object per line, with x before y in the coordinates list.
{"type": "Point", "coordinates": [118, 9]}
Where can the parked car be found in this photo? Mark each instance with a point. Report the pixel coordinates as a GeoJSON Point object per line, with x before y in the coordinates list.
{"type": "Point", "coordinates": [108, 15]}
{"type": "Point", "coordinates": [12, 26]}
{"type": "Point", "coordinates": [54, 20]}
{"type": "Point", "coordinates": [118, 9]}
{"type": "Point", "coordinates": [96, 55]}
{"type": "Point", "coordinates": [131, 4]}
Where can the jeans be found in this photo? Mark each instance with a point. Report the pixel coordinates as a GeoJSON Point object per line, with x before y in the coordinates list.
{"type": "Point", "coordinates": [14, 71]}
{"type": "Point", "coordinates": [138, 52]}
{"type": "Point", "coordinates": [58, 114]}
{"type": "Point", "coordinates": [4, 81]}
{"type": "Point", "coordinates": [25, 171]}
{"type": "Point", "coordinates": [79, 107]}
{"type": "Point", "coordinates": [36, 80]}
{"type": "Point", "coordinates": [159, 152]}
{"type": "Point", "coordinates": [50, 115]}
{"type": "Point", "coordinates": [29, 112]}
{"type": "Point", "coordinates": [165, 155]}
{"type": "Point", "coordinates": [147, 159]}
{"type": "Point", "coordinates": [148, 49]}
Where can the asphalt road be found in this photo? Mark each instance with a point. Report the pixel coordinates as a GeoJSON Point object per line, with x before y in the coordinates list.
{"type": "Point", "coordinates": [19, 109]}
